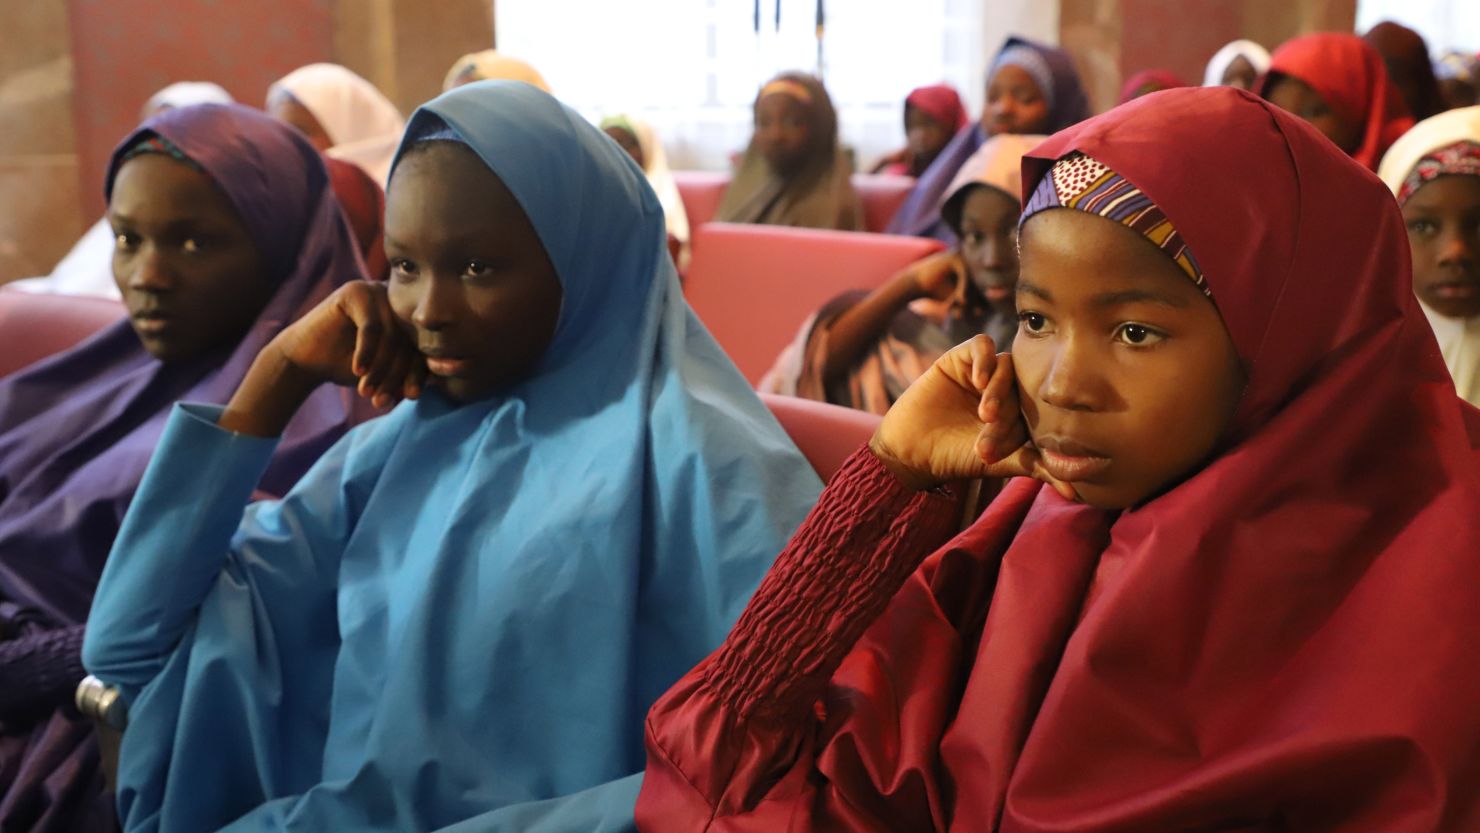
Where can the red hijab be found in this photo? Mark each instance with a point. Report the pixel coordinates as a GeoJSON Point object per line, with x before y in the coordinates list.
{"type": "Point", "coordinates": [940, 102]}
{"type": "Point", "coordinates": [1292, 625]}
{"type": "Point", "coordinates": [1349, 74]}
{"type": "Point", "coordinates": [364, 207]}
{"type": "Point", "coordinates": [1160, 79]}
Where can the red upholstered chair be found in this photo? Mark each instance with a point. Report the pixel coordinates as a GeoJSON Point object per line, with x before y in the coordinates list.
{"type": "Point", "coordinates": [753, 286]}
{"type": "Point", "coordinates": [34, 326]}
{"type": "Point", "coordinates": [826, 434]}
{"type": "Point", "coordinates": [701, 192]}
{"type": "Point", "coordinates": [882, 195]}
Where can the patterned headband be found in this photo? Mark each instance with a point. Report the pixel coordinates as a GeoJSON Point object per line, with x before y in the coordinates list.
{"type": "Point", "coordinates": [1462, 157]}
{"type": "Point", "coordinates": [1077, 181]}
{"type": "Point", "coordinates": [159, 144]}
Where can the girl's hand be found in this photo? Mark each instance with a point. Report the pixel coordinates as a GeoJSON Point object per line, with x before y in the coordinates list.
{"type": "Point", "coordinates": [939, 276]}
{"type": "Point", "coordinates": [960, 420]}
{"type": "Point", "coordinates": [352, 338]}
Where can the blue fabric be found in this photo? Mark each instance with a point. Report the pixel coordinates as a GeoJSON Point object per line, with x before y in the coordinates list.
{"type": "Point", "coordinates": [462, 613]}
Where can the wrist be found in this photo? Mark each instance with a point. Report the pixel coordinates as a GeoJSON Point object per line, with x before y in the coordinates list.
{"type": "Point", "coordinates": [910, 478]}
{"type": "Point", "coordinates": [269, 396]}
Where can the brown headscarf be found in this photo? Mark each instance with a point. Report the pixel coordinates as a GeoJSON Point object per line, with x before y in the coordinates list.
{"type": "Point", "coordinates": [819, 194]}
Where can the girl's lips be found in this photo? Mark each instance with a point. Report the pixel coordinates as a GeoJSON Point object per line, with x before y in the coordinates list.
{"type": "Point", "coordinates": [445, 366]}
{"type": "Point", "coordinates": [999, 294]}
{"type": "Point", "coordinates": [1070, 468]}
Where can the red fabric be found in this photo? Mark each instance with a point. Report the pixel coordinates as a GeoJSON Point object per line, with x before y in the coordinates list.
{"type": "Point", "coordinates": [1282, 641]}
{"type": "Point", "coordinates": [1163, 79]}
{"type": "Point", "coordinates": [1349, 74]}
{"type": "Point", "coordinates": [364, 207]}
{"type": "Point", "coordinates": [940, 102]}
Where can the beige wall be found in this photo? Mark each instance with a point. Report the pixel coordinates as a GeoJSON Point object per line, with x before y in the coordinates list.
{"type": "Point", "coordinates": [404, 46]}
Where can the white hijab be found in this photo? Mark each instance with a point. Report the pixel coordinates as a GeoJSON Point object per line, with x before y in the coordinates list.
{"type": "Point", "coordinates": [655, 165]}
{"type": "Point", "coordinates": [1256, 55]}
{"type": "Point", "coordinates": [363, 124]}
{"type": "Point", "coordinates": [1459, 338]}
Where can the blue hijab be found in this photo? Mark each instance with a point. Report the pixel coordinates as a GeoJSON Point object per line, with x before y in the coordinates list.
{"type": "Point", "coordinates": [462, 613]}
{"type": "Point", "coordinates": [1053, 70]}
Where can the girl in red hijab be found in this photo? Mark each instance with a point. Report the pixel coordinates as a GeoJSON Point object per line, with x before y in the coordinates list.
{"type": "Point", "coordinates": [1149, 81]}
{"type": "Point", "coordinates": [932, 116]}
{"type": "Point", "coordinates": [1255, 614]}
{"type": "Point", "coordinates": [1337, 82]}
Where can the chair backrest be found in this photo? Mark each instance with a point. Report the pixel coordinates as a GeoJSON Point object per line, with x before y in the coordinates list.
{"type": "Point", "coordinates": [753, 286]}
{"type": "Point", "coordinates": [701, 192]}
{"type": "Point", "coordinates": [881, 195]}
{"type": "Point", "coordinates": [826, 434]}
{"type": "Point", "coordinates": [34, 326]}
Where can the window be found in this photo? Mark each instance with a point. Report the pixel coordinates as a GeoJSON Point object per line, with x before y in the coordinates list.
{"type": "Point", "coordinates": [692, 67]}
{"type": "Point", "coordinates": [1444, 24]}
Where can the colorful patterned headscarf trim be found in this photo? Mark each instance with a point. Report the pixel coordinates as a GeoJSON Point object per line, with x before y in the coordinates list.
{"type": "Point", "coordinates": [159, 144]}
{"type": "Point", "coordinates": [1077, 181]}
{"type": "Point", "coordinates": [1462, 157]}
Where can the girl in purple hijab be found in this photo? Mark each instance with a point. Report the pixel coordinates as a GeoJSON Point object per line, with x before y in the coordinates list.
{"type": "Point", "coordinates": [226, 231]}
{"type": "Point", "coordinates": [1031, 88]}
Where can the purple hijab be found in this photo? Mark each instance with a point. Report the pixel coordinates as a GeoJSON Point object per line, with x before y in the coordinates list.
{"type": "Point", "coordinates": [1054, 71]}
{"type": "Point", "coordinates": [77, 429]}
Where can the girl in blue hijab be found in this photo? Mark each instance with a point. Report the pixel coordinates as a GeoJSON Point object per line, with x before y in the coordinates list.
{"type": "Point", "coordinates": [462, 613]}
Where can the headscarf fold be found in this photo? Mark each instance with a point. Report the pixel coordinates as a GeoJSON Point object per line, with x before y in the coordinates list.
{"type": "Point", "coordinates": [1406, 57]}
{"type": "Point", "coordinates": [659, 175]}
{"type": "Point", "coordinates": [819, 194]}
{"type": "Point", "coordinates": [1349, 74]}
{"type": "Point", "coordinates": [514, 579]}
{"type": "Point", "coordinates": [492, 65]}
{"type": "Point", "coordinates": [361, 122]}
{"type": "Point", "coordinates": [919, 216]}
{"type": "Point", "coordinates": [1256, 55]}
{"type": "Point", "coordinates": [1446, 145]}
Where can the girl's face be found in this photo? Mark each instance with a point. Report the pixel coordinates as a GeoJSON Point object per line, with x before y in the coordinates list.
{"type": "Point", "coordinates": [470, 280]}
{"type": "Point", "coordinates": [1127, 376]}
{"type": "Point", "coordinates": [926, 136]}
{"type": "Point", "coordinates": [989, 244]}
{"type": "Point", "coordinates": [1240, 73]}
{"type": "Point", "coordinates": [189, 272]}
{"type": "Point", "coordinates": [1014, 103]}
{"type": "Point", "coordinates": [1297, 97]}
{"type": "Point", "coordinates": [628, 142]}
{"type": "Point", "coordinates": [282, 106]}
{"type": "Point", "coordinates": [783, 133]}
{"type": "Point", "coordinates": [1443, 219]}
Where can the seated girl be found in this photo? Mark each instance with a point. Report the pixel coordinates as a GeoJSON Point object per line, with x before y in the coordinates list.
{"type": "Point", "coordinates": [1405, 55]}
{"type": "Point", "coordinates": [1237, 64]}
{"type": "Point", "coordinates": [1434, 171]}
{"type": "Point", "coordinates": [1243, 604]}
{"type": "Point", "coordinates": [226, 231]}
{"type": "Point", "coordinates": [1337, 82]}
{"type": "Point", "coordinates": [932, 117]}
{"type": "Point", "coordinates": [862, 349]}
{"type": "Point", "coordinates": [344, 115]}
{"type": "Point", "coordinates": [464, 610]}
{"type": "Point", "coordinates": [1031, 88]}
{"type": "Point", "coordinates": [1149, 81]}
{"type": "Point", "coordinates": [793, 173]}
{"type": "Point", "coordinates": [641, 143]}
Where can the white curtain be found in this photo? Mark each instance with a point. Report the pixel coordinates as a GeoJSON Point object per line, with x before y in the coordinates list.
{"type": "Point", "coordinates": [692, 67]}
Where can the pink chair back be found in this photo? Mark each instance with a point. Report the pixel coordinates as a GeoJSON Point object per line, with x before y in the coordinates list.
{"type": "Point", "coordinates": [701, 192]}
{"type": "Point", "coordinates": [881, 195]}
{"type": "Point", "coordinates": [826, 434]}
{"type": "Point", "coordinates": [34, 326]}
{"type": "Point", "coordinates": [753, 286]}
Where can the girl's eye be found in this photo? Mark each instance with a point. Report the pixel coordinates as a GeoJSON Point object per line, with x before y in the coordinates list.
{"type": "Point", "coordinates": [1032, 322]}
{"type": "Point", "coordinates": [1423, 227]}
{"type": "Point", "coordinates": [974, 238]}
{"type": "Point", "coordinates": [1138, 335]}
{"type": "Point", "coordinates": [126, 240]}
{"type": "Point", "coordinates": [402, 268]}
{"type": "Point", "coordinates": [477, 269]}
{"type": "Point", "coordinates": [192, 245]}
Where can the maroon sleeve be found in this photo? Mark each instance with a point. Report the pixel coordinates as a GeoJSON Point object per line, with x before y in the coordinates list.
{"type": "Point", "coordinates": [736, 745]}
